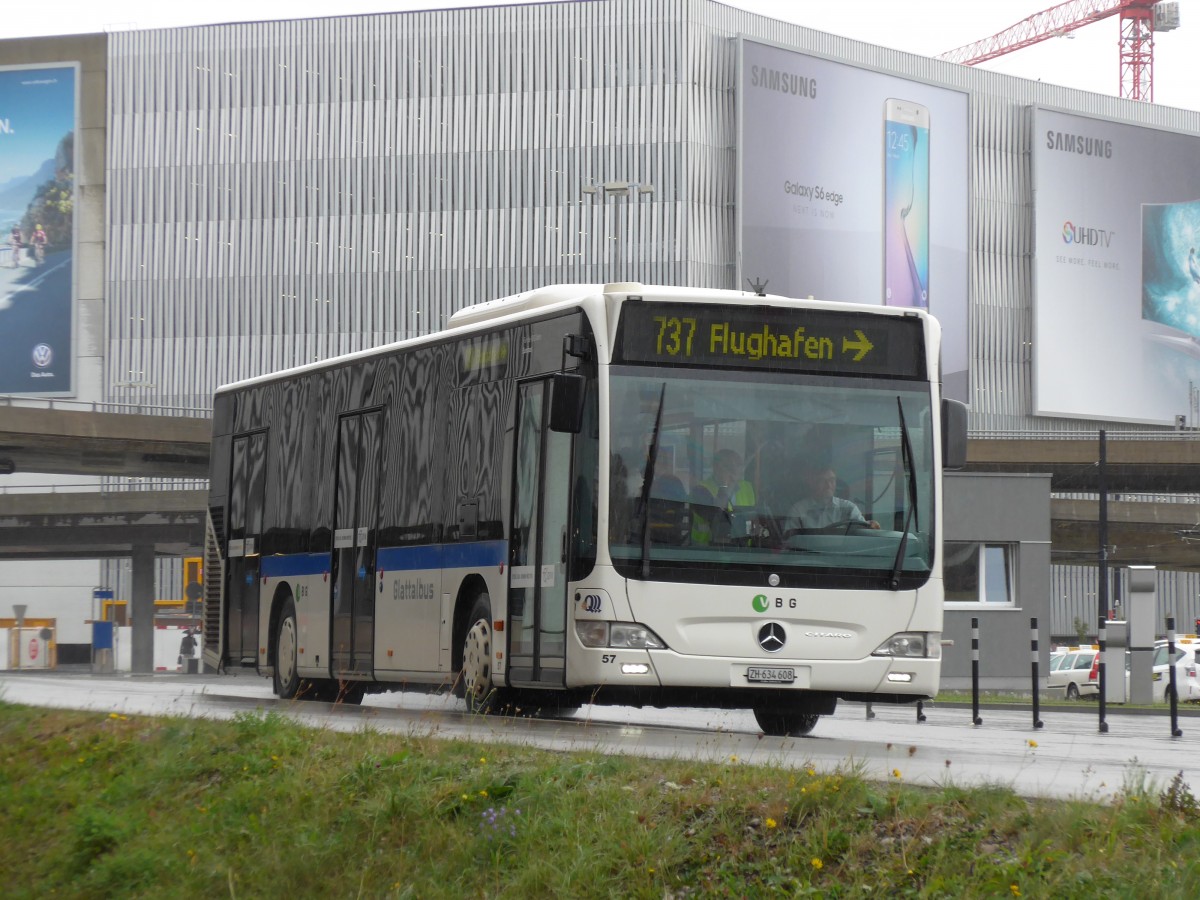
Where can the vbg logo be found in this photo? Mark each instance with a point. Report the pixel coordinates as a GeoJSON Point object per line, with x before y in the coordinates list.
{"type": "Point", "coordinates": [761, 603]}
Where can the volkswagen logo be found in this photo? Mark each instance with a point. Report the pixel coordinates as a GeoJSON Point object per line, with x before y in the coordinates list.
{"type": "Point", "coordinates": [42, 355]}
{"type": "Point", "coordinates": [772, 637]}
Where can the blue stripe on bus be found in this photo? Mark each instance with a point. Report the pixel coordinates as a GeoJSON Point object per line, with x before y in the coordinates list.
{"type": "Point", "coordinates": [293, 565]}
{"type": "Point", "coordinates": [478, 555]}
{"type": "Point", "coordinates": [443, 556]}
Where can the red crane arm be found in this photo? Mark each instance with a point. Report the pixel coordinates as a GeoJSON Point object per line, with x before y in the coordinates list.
{"type": "Point", "coordinates": [1048, 23]}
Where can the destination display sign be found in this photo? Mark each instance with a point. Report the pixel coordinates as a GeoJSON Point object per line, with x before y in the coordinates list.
{"type": "Point", "coordinates": [771, 337]}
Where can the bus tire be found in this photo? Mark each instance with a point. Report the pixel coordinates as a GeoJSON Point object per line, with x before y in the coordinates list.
{"type": "Point", "coordinates": [785, 723]}
{"type": "Point", "coordinates": [286, 683]}
{"type": "Point", "coordinates": [478, 688]}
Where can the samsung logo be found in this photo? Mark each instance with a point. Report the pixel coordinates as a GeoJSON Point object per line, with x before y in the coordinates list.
{"type": "Point", "coordinates": [1090, 237]}
{"type": "Point", "coordinates": [1079, 144]}
{"type": "Point", "coordinates": [783, 82]}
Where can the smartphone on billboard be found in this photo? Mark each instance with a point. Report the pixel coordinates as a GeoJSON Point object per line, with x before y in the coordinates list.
{"type": "Point", "coordinates": [906, 204]}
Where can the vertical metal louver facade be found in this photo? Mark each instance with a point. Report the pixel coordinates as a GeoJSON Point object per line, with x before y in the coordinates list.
{"type": "Point", "coordinates": [280, 192]}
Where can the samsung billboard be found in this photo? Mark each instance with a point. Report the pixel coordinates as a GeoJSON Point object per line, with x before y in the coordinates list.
{"type": "Point", "coordinates": [853, 185]}
{"type": "Point", "coordinates": [38, 116]}
{"type": "Point", "coordinates": [1117, 273]}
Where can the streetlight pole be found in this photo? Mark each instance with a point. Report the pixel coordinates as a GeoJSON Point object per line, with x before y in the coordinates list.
{"type": "Point", "coordinates": [628, 190]}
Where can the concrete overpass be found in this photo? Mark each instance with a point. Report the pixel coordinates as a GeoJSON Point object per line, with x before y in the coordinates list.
{"type": "Point", "coordinates": [82, 524]}
{"type": "Point", "coordinates": [83, 441]}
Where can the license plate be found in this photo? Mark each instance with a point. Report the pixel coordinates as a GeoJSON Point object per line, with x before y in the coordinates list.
{"type": "Point", "coordinates": [763, 675]}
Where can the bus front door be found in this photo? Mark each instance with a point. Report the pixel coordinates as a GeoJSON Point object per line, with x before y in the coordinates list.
{"type": "Point", "coordinates": [247, 496]}
{"type": "Point", "coordinates": [537, 596]}
{"type": "Point", "coordinates": [354, 537]}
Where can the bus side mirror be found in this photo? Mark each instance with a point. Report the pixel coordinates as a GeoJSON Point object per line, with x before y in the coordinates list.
{"type": "Point", "coordinates": [954, 434]}
{"type": "Point", "coordinates": [567, 393]}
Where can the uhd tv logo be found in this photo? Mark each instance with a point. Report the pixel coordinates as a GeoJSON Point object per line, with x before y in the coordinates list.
{"type": "Point", "coordinates": [1090, 237]}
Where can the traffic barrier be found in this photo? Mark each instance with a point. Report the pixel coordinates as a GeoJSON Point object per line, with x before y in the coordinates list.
{"type": "Point", "coordinates": [1176, 731]}
{"type": "Point", "coordinates": [975, 720]}
{"type": "Point", "coordinates": [1033, 644]}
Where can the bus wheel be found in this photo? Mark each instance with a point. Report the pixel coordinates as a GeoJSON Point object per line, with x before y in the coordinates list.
{"type": "Point", "coordinates": [476, 677]}
{"type": "Point", "coordinates": [785, 723]}
{"type": "Point", "coordinates": [286, 682]}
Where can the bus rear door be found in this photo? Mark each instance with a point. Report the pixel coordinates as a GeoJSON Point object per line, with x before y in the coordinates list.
{"type": "Point", "coordinates": [247, 496]}
{"type": "Point", "coordinates": [352, 580]}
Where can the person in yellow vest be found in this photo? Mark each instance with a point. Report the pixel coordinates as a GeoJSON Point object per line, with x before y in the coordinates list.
{"type": "Point", "coordinates": [715, 498]}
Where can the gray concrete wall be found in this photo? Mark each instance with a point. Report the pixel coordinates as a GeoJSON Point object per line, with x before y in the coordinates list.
{"type": "Point", "coordinates": [1014, 510]}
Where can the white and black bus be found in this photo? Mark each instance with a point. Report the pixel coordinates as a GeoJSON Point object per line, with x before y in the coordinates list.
{"type": "Point", "coordinates": [594, 493]}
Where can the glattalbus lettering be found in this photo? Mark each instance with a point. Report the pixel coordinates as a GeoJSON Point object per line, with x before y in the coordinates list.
{"type": "Point", "coordinates": [725, 340]}
{"type": "Point", "coordinates": [413, 590]}
{"type": "Point", "coordinates": [1078, 143]}
{"type": "Point", "coordinates": [783, 82]}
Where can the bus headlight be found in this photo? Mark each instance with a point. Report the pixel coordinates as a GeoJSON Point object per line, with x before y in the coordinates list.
{"type": "Point", "coordinates": [620, 635]}
{"type": "Point", "coordinates": [632, 636]}
{"type": "Point", "coordinates": [910, 645]}
{"type": "Point", "coordinates": [592, 634]}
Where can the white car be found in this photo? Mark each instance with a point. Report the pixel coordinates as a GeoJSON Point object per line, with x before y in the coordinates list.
{"type": "Point", "coordinates": [1074, 673]}
{"type": "Point", "coordinates": [1187, 674]}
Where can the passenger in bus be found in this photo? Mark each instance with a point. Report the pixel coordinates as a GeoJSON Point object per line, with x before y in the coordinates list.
{"type": "Point", "coordinates": [821, 507]}
{"type": "Point", "coordinates": [715, 499]}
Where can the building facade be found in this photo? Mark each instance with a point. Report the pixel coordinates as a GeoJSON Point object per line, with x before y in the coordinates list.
{"type": "Point", "coordinates": [280, 192]}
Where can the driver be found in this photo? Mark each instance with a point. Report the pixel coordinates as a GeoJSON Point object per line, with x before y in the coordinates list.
{"type": "Point", "coordinates": [820, 507]}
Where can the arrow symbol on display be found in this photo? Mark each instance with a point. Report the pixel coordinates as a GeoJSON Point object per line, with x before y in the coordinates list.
{"type": "Point", "coordinates": [862, 345]}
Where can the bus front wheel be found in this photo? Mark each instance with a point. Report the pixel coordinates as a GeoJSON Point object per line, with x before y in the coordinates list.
{"type": "Point", "coordinates": [785, 723]}
{"type": "Point", "coordinates": [478, 689]}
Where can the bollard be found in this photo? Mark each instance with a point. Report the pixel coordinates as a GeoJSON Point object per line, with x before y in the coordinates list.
{"type": "Point", "coordinates": [920, 711]}
{"type": "Point", "coordinates": [1033, 666]}
{"type": "Point", "coordinates": [975, 672]}
{"type": "Point", "coordinates": [1176, 731]}
{"type": "Point", "coordinates": [1102, 637]}
{"type": "Point", "coordinates": [870, 710]}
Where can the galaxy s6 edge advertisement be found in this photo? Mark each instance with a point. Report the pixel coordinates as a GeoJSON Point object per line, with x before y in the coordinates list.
{"type": "Point", "coordinates": [853, 186]}
{"type": "Point", "coordinates": [37, 228]}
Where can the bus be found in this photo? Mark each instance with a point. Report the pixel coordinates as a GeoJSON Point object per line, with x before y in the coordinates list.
{"type": "Point", "coordinates": [523, 508]}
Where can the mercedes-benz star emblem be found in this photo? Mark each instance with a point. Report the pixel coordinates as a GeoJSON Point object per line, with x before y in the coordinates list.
{"type": "Point", "coordinates": [772, 637]}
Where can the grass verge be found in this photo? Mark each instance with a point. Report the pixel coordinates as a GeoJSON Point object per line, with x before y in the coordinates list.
{"type": "Point", "coordinates": [258, 807]}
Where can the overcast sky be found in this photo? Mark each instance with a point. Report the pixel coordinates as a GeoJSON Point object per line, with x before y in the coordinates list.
{"type": "Point", "coordinates": [1087, 60]}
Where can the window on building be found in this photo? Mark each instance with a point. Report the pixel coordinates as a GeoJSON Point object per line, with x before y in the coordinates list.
{"type": "Point", "coordinates": [978, 573]}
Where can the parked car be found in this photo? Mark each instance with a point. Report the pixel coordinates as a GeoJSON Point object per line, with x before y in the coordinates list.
{"type": "Point", "coordinates": [1187, 674]}
{"type": "Point", "coordinates": [1074, 673]}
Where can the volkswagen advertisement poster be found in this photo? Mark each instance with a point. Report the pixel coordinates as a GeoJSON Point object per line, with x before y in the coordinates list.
{"type": "Point", "coordinates": [1117, 270]}
{"type": "Point", "coordinates": [37, 229]}
{"type": "Point", "coordinates": [853, 185]}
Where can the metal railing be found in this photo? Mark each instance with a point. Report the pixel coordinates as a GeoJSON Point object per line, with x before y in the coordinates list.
{"type": "Point", "coordinates": [124, 406]}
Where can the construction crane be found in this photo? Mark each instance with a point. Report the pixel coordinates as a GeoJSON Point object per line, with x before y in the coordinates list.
{"type": "Point", "coordinates": [1140, 20]}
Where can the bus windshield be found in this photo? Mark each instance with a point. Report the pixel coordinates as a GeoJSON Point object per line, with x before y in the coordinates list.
{"type": "Point", "coordinates": [823, 481]}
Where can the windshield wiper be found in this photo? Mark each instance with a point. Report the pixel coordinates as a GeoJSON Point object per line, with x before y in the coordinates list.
{"type": "Point", "coordinates": [910, 477]}
{"type": "Point", "coordinates": [648, 481]}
